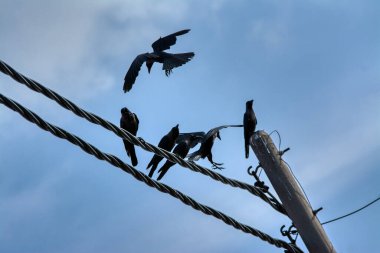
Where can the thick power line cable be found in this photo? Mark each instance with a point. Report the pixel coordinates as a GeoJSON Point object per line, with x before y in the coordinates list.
{"type": "Point", "coordinates": [117, 162]}
{"type": "Point", "coordinates": [6, 69]}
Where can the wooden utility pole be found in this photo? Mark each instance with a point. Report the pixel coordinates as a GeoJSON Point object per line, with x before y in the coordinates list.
{"type": "Point", "coordinates": [290, 194]}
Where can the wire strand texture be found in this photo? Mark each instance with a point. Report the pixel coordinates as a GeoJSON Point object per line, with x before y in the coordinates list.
{"type": "Point", "coordinates": [35, 86]}
{"type": "Point", "coordinates": [117, 162]}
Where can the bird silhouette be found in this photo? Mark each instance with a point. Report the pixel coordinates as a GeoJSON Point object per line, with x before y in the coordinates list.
{"type": "Point", "coordinates": [249, 122]}
{"type": "Point", "coordinates": [207, 142]}
{"type": "Point", "coordinates": [167, 142]}
{"type": "Point", "coordinates": [129, 122]}
{"type": "Point", "coordinates": [168, 60]}
{"type": "Point", "coordinates": [182, 149]}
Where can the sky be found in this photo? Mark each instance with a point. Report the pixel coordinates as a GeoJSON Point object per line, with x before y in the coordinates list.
{"type": "Point", "coordinates": [312, 68]}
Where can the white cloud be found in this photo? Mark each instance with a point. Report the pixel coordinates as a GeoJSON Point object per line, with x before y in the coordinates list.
{"type": "Point", "coordinates": [270, 34]}
{"type": "Point", "coordinates": [35, 200]}
{"type": "Point", "coordinates": [63, 45]}
{"type": "Point", "coordinates": [272, 31]}
{"type": "Point", "coordinates": [330, 160]}
{"type": "Point", "coordinates": [58, 43]}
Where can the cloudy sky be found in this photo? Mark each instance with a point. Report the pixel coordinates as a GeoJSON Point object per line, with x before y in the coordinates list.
{"type": "Point", "coordinates": [312, 67]}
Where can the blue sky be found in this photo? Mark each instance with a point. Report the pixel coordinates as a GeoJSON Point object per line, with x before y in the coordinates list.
{"type": "Point", "coordinates": [312, 67]}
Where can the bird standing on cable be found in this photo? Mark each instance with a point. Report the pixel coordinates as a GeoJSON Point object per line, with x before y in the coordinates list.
{"type": "Point", "coordinates": [207, 142]}
{"type": "Point", "coordinates": [182, 149]}
{"type": "Point", "coordinates": [168, 60]}
{"type": "Point", "coordinates": [129, 122]}
{"type": "Point", "coordinates": [249, 122]}
{"type": "Point", "coordinates": [167, 142]}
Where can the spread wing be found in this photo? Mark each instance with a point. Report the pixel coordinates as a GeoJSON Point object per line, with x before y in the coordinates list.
{"type": "Point", "coordinates": [133, 71]}
{"type": "Point", "coordinates": [164, 43]}
{"type": "Point", "coordinates": [216, 129]}
{"type": "Point", "coordinates": [196, 137]}
{"type": "Point", "coordinates": [172, 61]}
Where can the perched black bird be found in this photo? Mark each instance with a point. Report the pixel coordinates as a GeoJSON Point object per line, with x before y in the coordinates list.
{"type": "Point", "coordinates": [167, 142]}
{"type": "Point", "coordinates": [207, 141]}
{"type": "Point", "coordinates": [129, 122]}
{"type": "Point", "coordinates": [250, 123]}
{"type": "Point", "coordinates": [182, 149]}
{"type": "Point", "coordinates": [168, 60]}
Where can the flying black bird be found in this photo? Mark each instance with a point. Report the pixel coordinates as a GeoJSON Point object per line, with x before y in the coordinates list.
{"type": "Point", "coordinates": [129, 122]}
{"type": "Point", "coordinates": [168, 60]}
{"type": "Point", "coordinates": [182, 149]}
{"type": "Point", "coordinates": [250, 123]}
{"type": "Point", "coordinates": [206, 145]}
{"type": "Point", "coordinates": [167, 142]}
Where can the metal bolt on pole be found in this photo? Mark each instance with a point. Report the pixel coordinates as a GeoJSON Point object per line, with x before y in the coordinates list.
{"type": "Point", "coordinates": [290, 194]}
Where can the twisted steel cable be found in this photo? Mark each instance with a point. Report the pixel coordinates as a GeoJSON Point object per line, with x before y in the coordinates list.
{"type": "Point", "coordinates": [117, 162]}
{"type": "Point", "coordinates": [6, 69]}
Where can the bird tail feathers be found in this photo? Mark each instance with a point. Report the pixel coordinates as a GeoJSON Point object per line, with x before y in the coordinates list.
{"type": "Point", "coordinates": [133, 157]}
{"type": "Point", "coordinates": [151, 172]}
{"type": "Point", "coordinates": [163, 171]}
{"type": "Point", "coordinates": [184, 57]}
{"type": "Point", "coordinates": [149, 164]}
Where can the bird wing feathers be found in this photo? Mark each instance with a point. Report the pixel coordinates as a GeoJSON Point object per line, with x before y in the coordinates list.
{"type": "Point", "coordinates": [216, 129]}
{"type": "Point", "coordinates": [133, 71]}
{"type": "Point", "coordinates": [137, 120]}
{"type": "Point", "coordinates": [197, 137]}
{"type": "Point", "coordinates": [201, 136]}
{"type": "Point", "coordinates": [164, 143]}
{"type": "Point", "coordinates": [175, 60]}
{"type": "Point", "coordinates": [164, 43]}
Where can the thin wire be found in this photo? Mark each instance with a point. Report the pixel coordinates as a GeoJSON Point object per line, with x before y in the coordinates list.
{"type": "Point", "coordinates": [279, 138]}
{"type": "Point", "coordinates": [295, 239]}
{"type": "Point", "coordinates": [358, 210]}
{"type": "Point", "coordinates": [290, 168]}
{"type": "Point", "coordinates": [117, 162]}
{"type": "Point", "coordinates": [67, 104]}
{"type": "Point", "coordinates": [298, 182]}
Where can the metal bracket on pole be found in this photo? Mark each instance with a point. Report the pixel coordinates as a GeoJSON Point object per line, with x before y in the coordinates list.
{"type": "Point", "coordinates": [258, 182]}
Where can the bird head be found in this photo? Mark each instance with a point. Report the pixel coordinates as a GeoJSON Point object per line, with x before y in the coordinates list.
{"type": "Point", "coordinates": [249, 104]}
{"type": "Point", "coordinates": [175, 130]}
{"type": "Point", "coordinates": [149, 65]}
{"type": "Point", "coordinates": [125, 112]}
